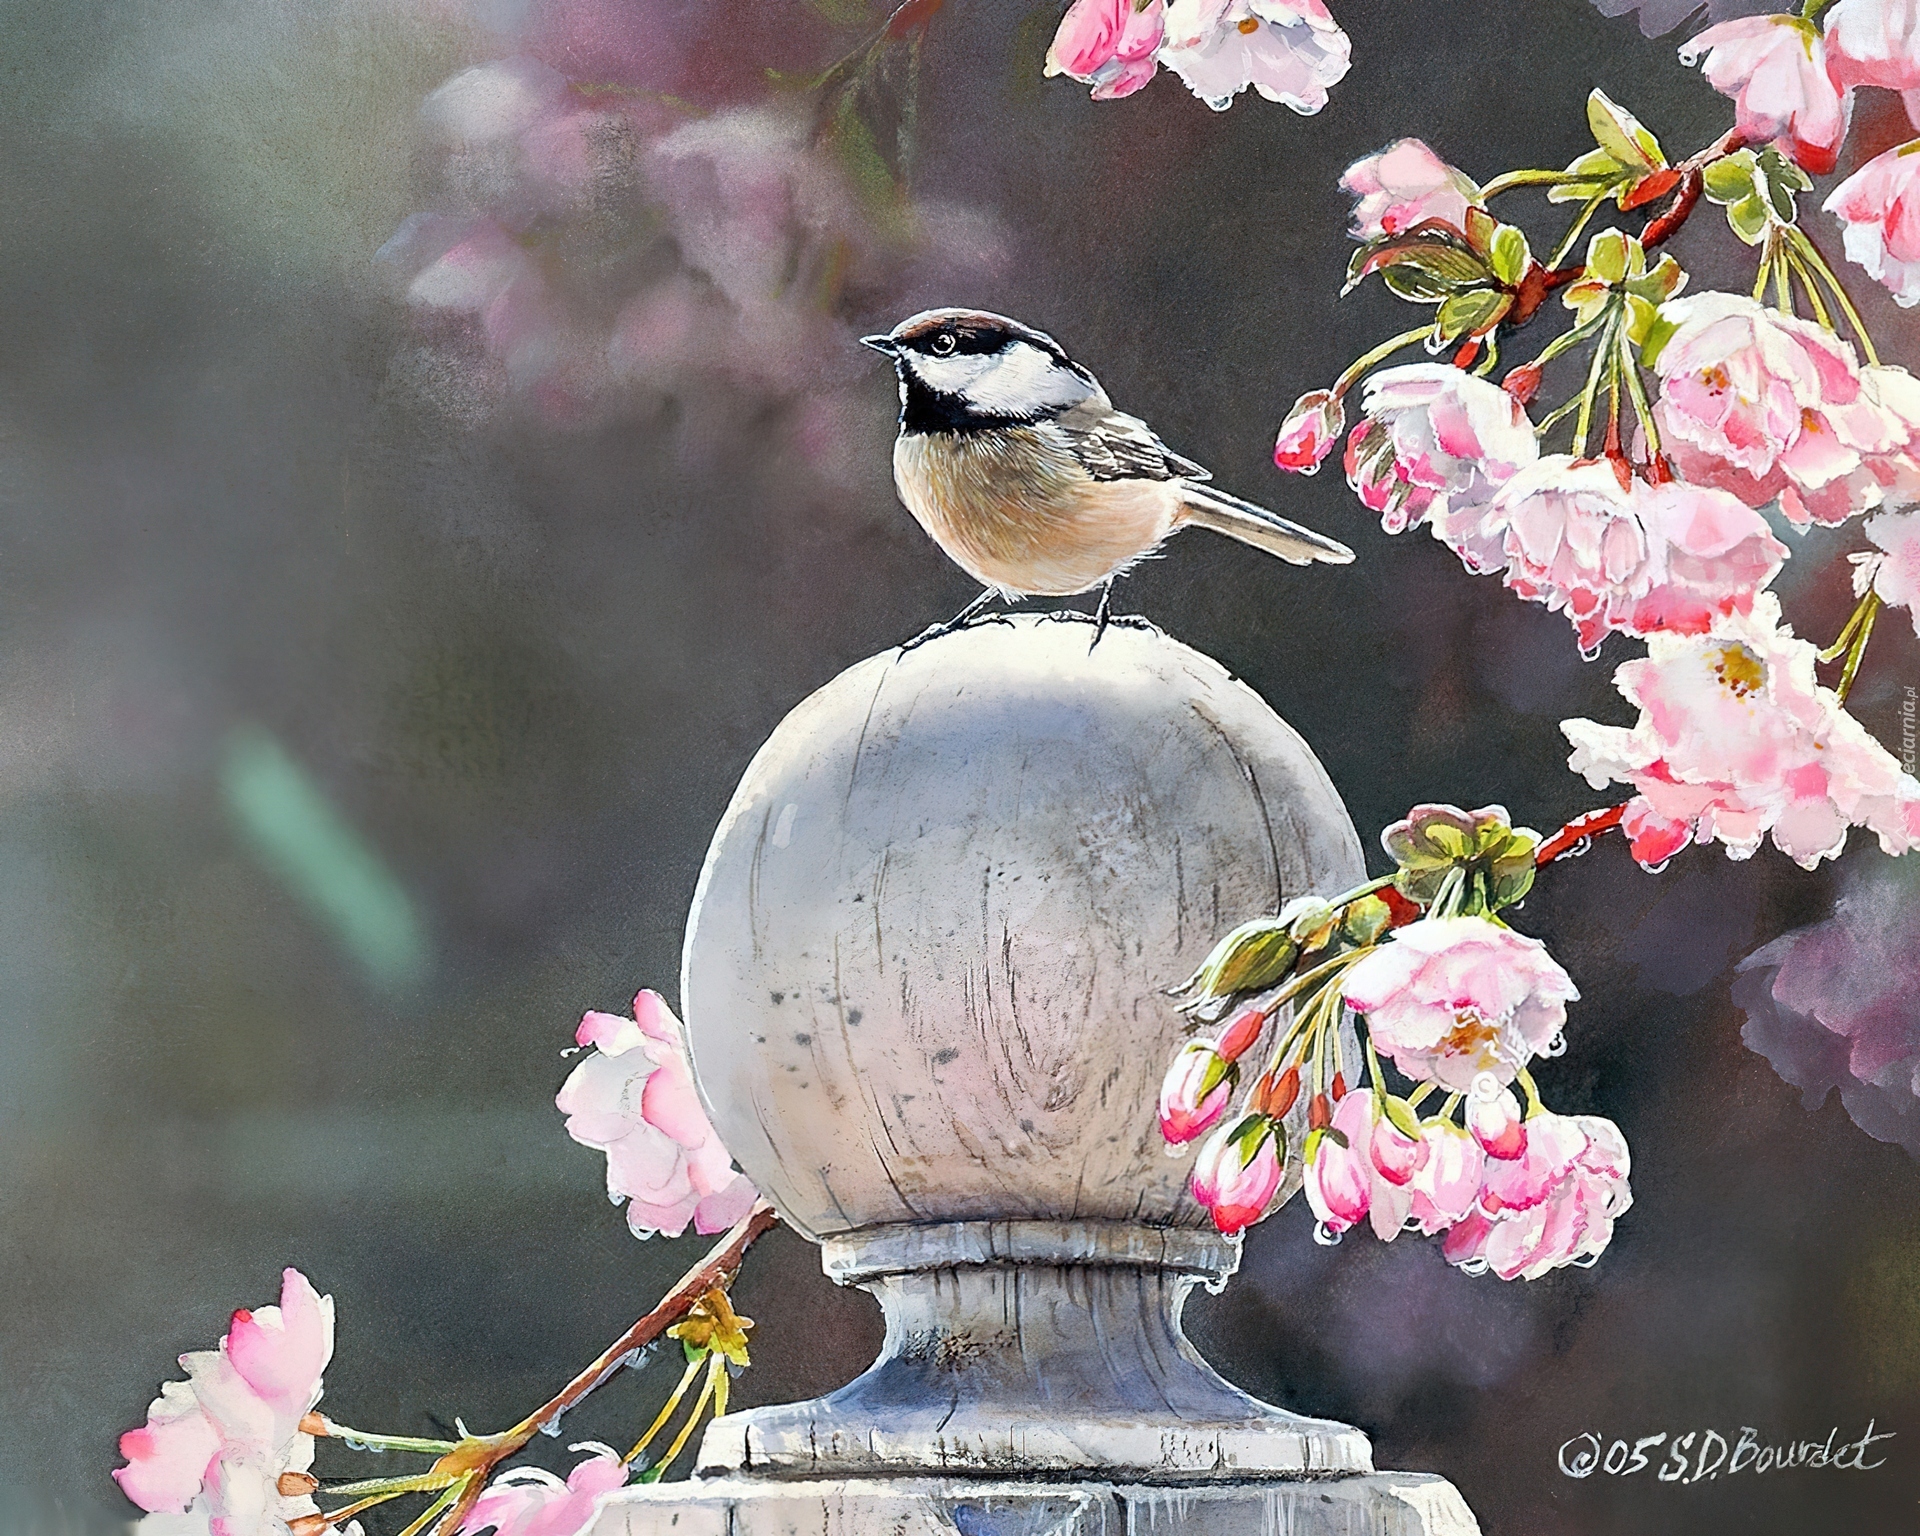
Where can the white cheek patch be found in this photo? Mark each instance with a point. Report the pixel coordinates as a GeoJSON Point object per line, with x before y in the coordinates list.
{"type": "Point", "coordinates": [953, 375]}
{"type": "Point", "coordinates": [1019, 380]}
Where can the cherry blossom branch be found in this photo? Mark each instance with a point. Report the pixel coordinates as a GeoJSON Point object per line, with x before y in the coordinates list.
{"type": "Point", "coordinates": [465, 1468]}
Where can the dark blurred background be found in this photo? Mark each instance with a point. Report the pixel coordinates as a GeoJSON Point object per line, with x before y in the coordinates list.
{"type": "Point", "coordinates": [417, 511]}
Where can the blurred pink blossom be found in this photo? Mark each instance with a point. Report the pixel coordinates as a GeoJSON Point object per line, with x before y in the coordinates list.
{"type": "Point", "coordinates": [1775, 69]}
{"type": "Point", "coordinates": [1435, 446]}
{"type": "Point", "coordinates": [1878, 207]}
{"type": "Point", "coordinates": [1569, 1189]}
{"type": "Point", "coordinates": [530, 1502]}
{"type": "Point", "coordinates": [1831, 1005]}
{"type": "Point", "coordinates": [633, 1098]}
{"type": "Point", "coordinates": [1108, 44]}
{"type": "Point", "coordinates": [1766, 405]}
{"type": "Point", "coordinates": [1632, 557]}
{"type": "Point", "coordinates": [1238, 1172]}
{"type": "Point", "coordinates": [1403, 185]}
{"type": "Point", "coordinates": [1451, 998]}
{"type": "Point", "coordinates": [1289, 51]}
{"type": "Point", "coordinates": [1893, 572]}
{"type": "Point", "coordinates": [1736, 742]}
{"type": "Point", "coordinates": [1873, 42]}
{"type": "Point", "coordinates": [222, 1453]}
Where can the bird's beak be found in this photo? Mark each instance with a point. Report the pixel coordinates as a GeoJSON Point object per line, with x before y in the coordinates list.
{"type": "Point", "coordinates": [884, 344]}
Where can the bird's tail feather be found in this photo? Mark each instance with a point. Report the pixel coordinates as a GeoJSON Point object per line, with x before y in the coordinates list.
{"type": "Point", "coordinates": [1242, 520]}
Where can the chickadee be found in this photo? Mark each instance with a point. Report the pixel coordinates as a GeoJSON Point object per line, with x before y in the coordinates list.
{"type": "Point", "coordinates": [1013, 459]}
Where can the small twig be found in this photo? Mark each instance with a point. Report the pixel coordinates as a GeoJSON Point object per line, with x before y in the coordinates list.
{"type": "Point", "coordinates": [470, 1463]}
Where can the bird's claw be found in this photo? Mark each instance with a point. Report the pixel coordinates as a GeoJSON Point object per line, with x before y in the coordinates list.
{"type": "Point", "coordinates": [952, 626]}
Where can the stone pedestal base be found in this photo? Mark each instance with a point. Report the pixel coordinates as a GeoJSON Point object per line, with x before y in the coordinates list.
{"type": "Point", "coordinates": [1366, 1504]}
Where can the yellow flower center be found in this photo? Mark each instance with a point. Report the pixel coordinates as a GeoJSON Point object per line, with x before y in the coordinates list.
{"type": "Point", "coordinates": [1470, 1035]}
{"type": "Point", "coordinates": [1250, 24]}
{"type": "Point", "coordinates": [1740, 671]}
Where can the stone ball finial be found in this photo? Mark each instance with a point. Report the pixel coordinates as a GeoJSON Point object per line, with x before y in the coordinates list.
{"type": "Point", "coordinates": [925, 988]}
{"type": "Point", "coordinates": [925, 972]}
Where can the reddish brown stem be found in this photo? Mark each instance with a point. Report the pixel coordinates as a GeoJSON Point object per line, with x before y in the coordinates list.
{"type": "Point", "coordinates": [1539, 282]}
{"type": "Point", "coordinates": [1577, 831]}
{"type": "Point", "coordinates": [475, 1457]}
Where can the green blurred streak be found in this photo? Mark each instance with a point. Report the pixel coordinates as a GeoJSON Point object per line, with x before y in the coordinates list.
{"type": "Point", "coordinates": [306, 844]}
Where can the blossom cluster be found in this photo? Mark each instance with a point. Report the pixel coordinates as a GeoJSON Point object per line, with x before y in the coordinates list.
{"type": "Point", "coordinates": [1289, 51]}
{"type": "Point", "coordinates": [1460, 1004]}
{"type": "Point", "coordinates": [620, 223]}
{"type": "Point", "coordinates": [1723, 421]}
{"type": "Point", "coordinates": [227, 1452]}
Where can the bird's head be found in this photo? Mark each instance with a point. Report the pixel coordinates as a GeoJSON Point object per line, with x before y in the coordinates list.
{"type": "Point", "coordinates": [963, 368]}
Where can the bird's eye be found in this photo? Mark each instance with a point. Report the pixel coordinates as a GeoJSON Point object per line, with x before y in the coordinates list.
{"type": "Point", "coordinates": [942, 344]}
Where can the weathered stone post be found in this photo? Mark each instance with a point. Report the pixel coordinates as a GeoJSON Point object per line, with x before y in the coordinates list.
{"type": "Point", "coordinates": [924, 986]}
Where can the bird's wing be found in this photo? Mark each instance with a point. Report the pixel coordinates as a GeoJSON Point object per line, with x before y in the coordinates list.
{"type": "Point", "coordinates": [1112, 445]}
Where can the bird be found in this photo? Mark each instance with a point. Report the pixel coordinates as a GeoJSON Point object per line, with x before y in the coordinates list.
{"type": "Point", "coordinates": [1012, 458]}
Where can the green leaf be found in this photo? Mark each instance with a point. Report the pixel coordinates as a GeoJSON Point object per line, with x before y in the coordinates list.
{"type": "Point", "coordinates": [1400, 1115]}
{"type": "Point", "coordinates": [1659, 333]}
{"type": "Point", "coordinates": [1507, 255]}
{"type": "Point", "coordinates": [1595, 171]}
{"type": "Point", "coordinates": [1750, 217]}
{"type": "Point", "coordinates": [1607, 257]}
{"type": "Point", "coordinates": [1409, 282]}
{"type": "Point", "coordinates": [1444, 261]}
{"type": "Point", "coordinates": [1783, 181]}
{"type": "Point", "coordinates": [1621, 135]}
{"type": "Point", "coordinates": [1729, 178]}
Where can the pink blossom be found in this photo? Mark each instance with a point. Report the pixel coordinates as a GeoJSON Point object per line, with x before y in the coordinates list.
{"type": "Point", "coordinates": [530, 1502]}
{"type": "Point", "coordinates": [1874, 42]}
{"type": "Point", "coordinates": [1197, 1091]}
{"type": "Point", "coordinates": [1895, 572]}
{"type": "Point", "coordinates": [1572, 1189]}
{"type": "Point", "coordinates": [1629, 557]}
{"type": "Point", "coordinates": [1775, 69]}
{"type": "Point", "coordinates": [1289, 51]}
{"type": "Point", "coordinates": [1831, 1005]}
{"type": "Point", "coordinates": [1450, 998]}
{"type": "Point", "coordinates": [1878, 207]}
{"type": "Point", "coordinates": [1238, 1172]}
{"type": "Point", "coordinates": [1434, 447]}
{"type": "Point", "coordinates": [1403, 185]}
{"type": "Point", "coordinates": [1736, 742]}
{"type": "Point", "coordinates": [1108, 44]}
{"type": "Point", "coordinates": [1446, 1184]}
{"type": "Point", "coordinates": [1339, 1174]}
{"type": "Point", "coordinates": [1308, 434]}
{"type": "Point", "coordinates": [223, 1453]}
{"type": "Point", "coordinates": [634, 1099]}
{"type": "Point", "coordinates": [1763, 404]}
{"type": "Point", "coordinates": [1494, 1119]}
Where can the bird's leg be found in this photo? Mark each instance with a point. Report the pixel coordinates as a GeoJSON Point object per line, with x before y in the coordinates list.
{"type": "Point", "coordinates": [1103, 615]}
{"type": "Point", "coordinates": [960, 620]}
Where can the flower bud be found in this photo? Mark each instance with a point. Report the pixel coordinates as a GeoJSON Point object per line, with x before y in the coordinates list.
{"type": "Point", "coordinates": [1195, 1093]}
{"type": "Point", "coordinates": [1276, 1095]}
{"type": "Point", "coordinates": [1254, 955]}
{"type": "Point", "coordinates": [1523, 383]}
{"type": "Point", "coordinates": [1238, 1172]}
{"type": "Point", "coordinates": [1311, 429]}
{"type": "Point", "coordinates": [1238, 1037]}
